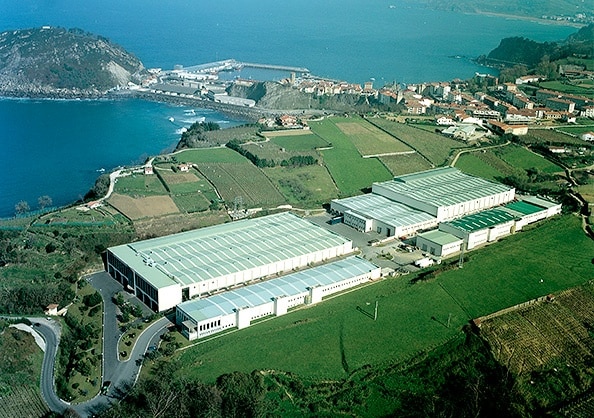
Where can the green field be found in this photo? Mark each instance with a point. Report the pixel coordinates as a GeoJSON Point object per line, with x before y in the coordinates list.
{"type": "Point", "coordinates": [369, 139]}
{"type": "Point", "coordinates": [549, 137]}
{"type": "Point", "coordinates": [436, 148]}
{"type": "Point", "coordinates": [139, 185]}
{"type": "Point", "coordinates": [583, 89]}
{"type": "Point", "coordinates": [303, 186]}
{"type": "Point", "coordinates": [190, 203]}
{"type": "Point", "coordinates": [405, 163]}
{"type": "Point", "coordinates": [350, 172]}
{"type": "Point", "coordinates": [577, 130]}
{"type": "Point", "coordinates": [524, 159]}
{"type": "Point", "coordinates": [411, 318]}
{"type": "Point", "coordinates": [299, 142]}
{"type": "Point", "coordinates": [507, 273]}
{"type": "Point", "coordinates": [210, 155]}
{"type": "Point", "coordinates": [272, 151]}
{"type": "Point", "coordinates": [245, 180]}
{"type": "Point", "coordinates": [471, 163]}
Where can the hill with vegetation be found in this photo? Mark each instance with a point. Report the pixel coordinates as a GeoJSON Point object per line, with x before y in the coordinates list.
{"type": "Point", "coordinates": [519, 50]}
{"type": "Point", "coordinates": [58, 62]}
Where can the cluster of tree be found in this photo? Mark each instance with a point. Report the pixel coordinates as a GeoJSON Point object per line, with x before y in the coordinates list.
{"type": "Point", "coordinates": [32, 298]}
{"type": "Point", "coordinates": [299, 161]}
{"type": "Point", "coordinates": [165, 394]}
{"type": "Point", "coordinates": [74, 356]}
{"type": "Point", "coordinates": [126, 308]}
{"type": "Point", "coordinates": [100, 188]}
{"type": "Point", "coordinates": [197, 134]}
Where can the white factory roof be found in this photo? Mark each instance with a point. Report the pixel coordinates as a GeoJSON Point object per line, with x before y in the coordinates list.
{"type": "Point", "coordinates": [290, 285]}
{"type": "Point", "coordinates": [374, 206]}
{"type": "Point", "coordinates": [202, 254]}
{"type": "Point", "coordinates": [443, 186]}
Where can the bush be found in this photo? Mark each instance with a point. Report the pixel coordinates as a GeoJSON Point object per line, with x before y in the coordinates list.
{"type": "Point", "coordinates": [92, 299]}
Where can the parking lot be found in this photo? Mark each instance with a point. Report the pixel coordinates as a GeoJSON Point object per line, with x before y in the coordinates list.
{"type": "Point", "coordinates": [393, 253]}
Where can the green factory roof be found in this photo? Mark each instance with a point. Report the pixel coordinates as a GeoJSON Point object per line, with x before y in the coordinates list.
{"type": "Point", "coordinates": [440, 237]}
{"type": "Point", "coordinates": [443, 186]}
{"type": "Point", "coordinates": [482, 220]}
{"type": "Point", "coordinates": [524, 208]}
{"type": "Point", "coordinates": [202, 254]}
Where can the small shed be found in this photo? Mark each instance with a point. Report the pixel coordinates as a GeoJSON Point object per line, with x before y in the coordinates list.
{"type": "Point", "coordinates": [52, 309]}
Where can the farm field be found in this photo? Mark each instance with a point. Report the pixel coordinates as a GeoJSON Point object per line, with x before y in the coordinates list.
{"type": "Point", "coordinates": [20, 368]}
{"type": "Point", "coordinates": [350, 172]}
{"type": "Point", "coordinates": [272, 151]}
{"type": "Point", "coordinates": [581, 89]}
{"type": "Point", "coordinates": [181, 183]}
{"type": "Point", "coordinates": [547, 339]}
{"type": "Point", "coordinates": [241, 133]}
{"type": "Point", "coordinates": [144, 207]}
{"type": "Point", "coordinates": [243, 180]}
{"type": "Point", "coordinates": [210, 155]}
{"type": "Point", "coordinates": [139, 185]}
{"type": "Point", "coordinates": [549, 137]}
{"type": "Point", "coordinates": [410, 317]}
{"type": "Point", "coordinates": [436, 148]}
{"type": "Point", "coordinates": [524, 159]}
{"type": "Point", "coordinates": [300, 142]}
{"type": "Point", "coordinates": [577, 130]}
{"type": "Point", "coordinates": [369, 139]}
{"type": "Point", "coordinates": [405, 163]}
{"type": "Point", "coordinates": [303, 186]}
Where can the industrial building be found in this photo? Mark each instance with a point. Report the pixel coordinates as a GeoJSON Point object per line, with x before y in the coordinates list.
{"type": "Point", "coordinates": [163, 271]}
{"type": "Point", "coordinates": [419, 201]}
{"type": "Point", "coordinates": [439, 243]}
{"type": "Point", "coordinates": [237, 308]}
{"type": "Point", "coordinates": [473, 230]}
{"type": "Point", "coordinates": [372, 212]}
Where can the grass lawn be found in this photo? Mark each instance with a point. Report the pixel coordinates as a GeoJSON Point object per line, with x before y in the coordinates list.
{"type": "Point", "coordinates": [350, 172]}
{"type": "Point", "coordinates": [470, 163]}
{"type": "Point", "coordinates": [411, 318]}
{"type": "Point", "coordinates": [522, 158]}
{"type": "Point", "coordinates": [405, 163]}
{"type": "Point", "coordinates": [299, 142]}
{"type": "Point", "coordinates": [303, 186]}
{"type": "Point", "coordinates": [189, 203]}
{"type": "Point", "coordinates": [509, 272]}
{"type": "Point", "coordinates": [188, 182]}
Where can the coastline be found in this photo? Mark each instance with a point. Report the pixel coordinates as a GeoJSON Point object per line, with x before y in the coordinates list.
{"type": "Point", "coordinates": [530, 19]}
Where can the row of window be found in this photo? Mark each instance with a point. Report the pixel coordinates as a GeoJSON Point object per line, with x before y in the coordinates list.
{"type": "Point", "coordinates": [210, 325]}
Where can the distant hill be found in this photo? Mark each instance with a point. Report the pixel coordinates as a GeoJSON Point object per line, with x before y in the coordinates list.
{"type": "Point", "coordinates": [58, 62]}
{"type": "Point", "coordinates": [518, 50]}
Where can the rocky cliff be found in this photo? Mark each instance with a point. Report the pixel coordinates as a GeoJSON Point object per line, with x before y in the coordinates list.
{"type": "Point", "coordinates": [58, 62]}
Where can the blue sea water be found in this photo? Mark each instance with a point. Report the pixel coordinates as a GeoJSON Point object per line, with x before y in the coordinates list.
{"type": "Point", "coordinates": [54, 147]}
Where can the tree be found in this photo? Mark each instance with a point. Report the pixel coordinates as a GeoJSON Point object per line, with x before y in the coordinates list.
{"type": "Point", "coordinates": [44, 201]}
{"type": "Point", "coordinates": [21, 207]}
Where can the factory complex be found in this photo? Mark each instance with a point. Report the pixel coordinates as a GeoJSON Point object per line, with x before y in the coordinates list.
{"type": "Point", "coordinates": [469, 211]}
{"type": "Point", "coordinates": [227, 276]}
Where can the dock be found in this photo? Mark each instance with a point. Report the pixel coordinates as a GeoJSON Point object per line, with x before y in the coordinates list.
{"type": "Point", "coordinates": [231, 64]}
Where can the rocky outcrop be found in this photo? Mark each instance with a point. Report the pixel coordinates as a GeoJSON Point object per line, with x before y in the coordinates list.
{"type": "Point", "coordinates": [58, 62]}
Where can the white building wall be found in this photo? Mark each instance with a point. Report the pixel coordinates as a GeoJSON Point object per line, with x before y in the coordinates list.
{"type": "Point", "coordinates": [500, 230]}
{"type": "Point", "coordinates": [169, 297]}
{"type": "Point", "coordinates": [477, 238]}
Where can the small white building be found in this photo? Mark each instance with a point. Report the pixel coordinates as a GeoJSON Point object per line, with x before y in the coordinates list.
{"type": "Point", "coordinates": [439, 243]}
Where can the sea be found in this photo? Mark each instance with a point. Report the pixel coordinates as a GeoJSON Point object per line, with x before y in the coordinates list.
{"type": "Point", "coordinates": [58, 147]}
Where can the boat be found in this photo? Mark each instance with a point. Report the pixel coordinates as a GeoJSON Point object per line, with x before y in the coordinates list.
{"type": "Point", "coordinates": [171, 119]}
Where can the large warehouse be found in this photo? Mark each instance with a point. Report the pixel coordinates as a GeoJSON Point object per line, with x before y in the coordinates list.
{"type": "Point", "coordinates": [236, 308]}
{"type": "Point", "coordinates": [419, 201]}
{"type": "Point", "coordinates": [372, 212]}
{"type": "Point", "coordinates": [164, 271]}
{"type": "Point", "coordinates": [445, 193]}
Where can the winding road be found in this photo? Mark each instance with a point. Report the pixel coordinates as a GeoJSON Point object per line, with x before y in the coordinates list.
{"type": "Point", "coordinates": [121, 374]}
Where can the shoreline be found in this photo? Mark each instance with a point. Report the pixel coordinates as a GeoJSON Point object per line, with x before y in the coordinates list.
{"type": "Point", "coordinates": [530, 19]}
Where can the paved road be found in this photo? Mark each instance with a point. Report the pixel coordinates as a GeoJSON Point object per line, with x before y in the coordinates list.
{"type": "Point", "coordinates": [121, 374]}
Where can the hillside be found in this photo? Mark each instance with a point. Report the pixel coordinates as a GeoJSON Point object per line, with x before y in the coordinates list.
{"type": "Point", "coordinates": [56, 62]}
{"type": "Point", "coordinates": [518, 50]}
